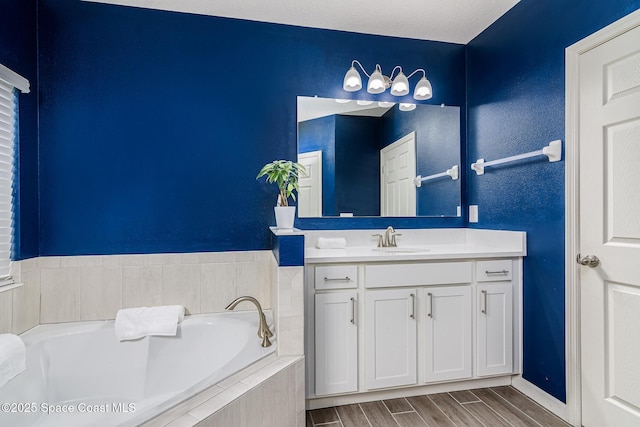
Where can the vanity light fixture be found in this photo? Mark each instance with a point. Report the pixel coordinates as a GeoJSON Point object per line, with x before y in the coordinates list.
{"type": "Point", "coordinates": [343, 101]}
{"type": "Point", "coordinates": [407, 107]}
{"type": "Point", "coordinates": [378, 82]}
{"type": "Point", "coordinates": [363, 102]}
{"type": "Point", "coordinates": [386, 104]}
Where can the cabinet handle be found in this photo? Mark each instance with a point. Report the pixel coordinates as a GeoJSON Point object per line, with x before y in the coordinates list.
{"type": "Point", "coordinates": [484, 301]}
{"type": "Point", "coordinates": [413, 306]}
{"type": "Point", "coordinates": [430, 314]}
{"type": "Point", "coordinates": [337, 279]}
{"type": "Point", "coordinates": [353, 310]}
{"type": "Point", "coordinates": [501, 272]}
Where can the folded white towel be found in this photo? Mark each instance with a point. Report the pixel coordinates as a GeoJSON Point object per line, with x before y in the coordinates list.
{"type": "Point", "coordinates": [134, 323]}
{"type": "Point", "coordinates": [13, 357]}
{"type": "Point", "coordinates": [331, 243]}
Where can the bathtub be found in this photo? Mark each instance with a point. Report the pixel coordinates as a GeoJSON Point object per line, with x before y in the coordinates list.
{"type": "Point", "coordinates": [79, 374]}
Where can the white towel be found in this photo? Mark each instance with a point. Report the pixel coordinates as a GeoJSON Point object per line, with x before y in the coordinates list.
{"type": "Point", "coordinates": [134, 323]}
{"type": "Point", "coordinates": [13, 357]}
{"type": "Point", "coordinates": [331, 243]}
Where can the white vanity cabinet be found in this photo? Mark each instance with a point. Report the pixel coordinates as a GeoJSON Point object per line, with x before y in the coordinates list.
{"type": "Point", "coordinates": [390, 338]}
{"type": "Point", "coordinates": [401, 325]}
{"type": "Point", "coordinates": [336, 343]}
{"type": "Point", "coordinates": [448, 333]}
{"type": "Point", "coordinates": [494, 317]}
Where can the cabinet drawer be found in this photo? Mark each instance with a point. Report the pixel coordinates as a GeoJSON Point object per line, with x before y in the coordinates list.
{"type": "Point", "coordinates": [494, 270]}
{"type": "Point", "coordinates": [336, 277]}
{"type": "Point", "coordinates": [436, 273]}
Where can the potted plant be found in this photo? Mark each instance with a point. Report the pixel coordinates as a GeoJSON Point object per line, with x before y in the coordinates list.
{"type": "Point", "coordinates": [285, 174]}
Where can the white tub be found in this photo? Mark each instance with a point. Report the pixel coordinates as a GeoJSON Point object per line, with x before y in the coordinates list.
{"type": "Point", "coordinates": [78, 374]}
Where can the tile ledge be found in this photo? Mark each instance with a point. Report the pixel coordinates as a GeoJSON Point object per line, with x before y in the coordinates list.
{"type": "Point", "coordinates": [11, 286]}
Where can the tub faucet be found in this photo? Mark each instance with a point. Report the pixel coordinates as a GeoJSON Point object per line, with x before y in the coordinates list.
{"type": "Point", "coordinates": [263, 330]}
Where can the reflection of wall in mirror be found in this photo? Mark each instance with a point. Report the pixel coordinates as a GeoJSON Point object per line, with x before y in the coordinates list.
{"type": "Point", "coordinates": [350, 178]}
{"type": "Point", "coordinates": [351, 157]}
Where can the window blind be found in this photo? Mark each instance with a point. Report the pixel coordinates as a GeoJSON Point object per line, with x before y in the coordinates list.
{"type": "Point", "coordinates": [8, 136]}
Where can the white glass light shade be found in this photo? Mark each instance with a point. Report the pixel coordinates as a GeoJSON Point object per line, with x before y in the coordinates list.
{"type": "Point", "coordinates": [343, 101]}
{"type": "Point", "coordinates": [376, 82]}
{"type": "Point", "coordinates": [407, 107]}
{"type": "Point", "coordinates": [385, 104]}
{"type": "Point", "coordinates": [423, 90]}
{"type": "Point", "coordinates": [352, 81]}
{"type": "Point", "coordinates": [363, 102]}
{"type": "Point", "coordinates": [400, 85]}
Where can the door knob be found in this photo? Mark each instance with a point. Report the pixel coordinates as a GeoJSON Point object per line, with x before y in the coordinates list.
{"type": "Point", "coordinates": [589, 260]}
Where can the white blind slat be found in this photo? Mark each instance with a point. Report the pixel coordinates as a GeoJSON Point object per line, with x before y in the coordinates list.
{"type": "Point", "coordinates": [8, 80]}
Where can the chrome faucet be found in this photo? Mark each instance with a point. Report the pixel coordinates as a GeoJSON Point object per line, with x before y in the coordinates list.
{"type": "Point", "coordinates": [263, 330]}
{"type": "Point", "coordinates": [389, 239]}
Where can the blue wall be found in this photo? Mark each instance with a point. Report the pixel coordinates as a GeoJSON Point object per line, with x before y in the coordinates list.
{"type": "Point", "coordinates": [18, 52]}
{"type": "Point", "coordinates": [516, 104]}
{"type": "Point", "coordinates": [320, 135]}
{"type": "Point", "coordinates": [148, 141]}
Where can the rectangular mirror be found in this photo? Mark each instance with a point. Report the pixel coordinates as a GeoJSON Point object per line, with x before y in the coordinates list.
{"type": "Point", "coordinates": [363, 158]}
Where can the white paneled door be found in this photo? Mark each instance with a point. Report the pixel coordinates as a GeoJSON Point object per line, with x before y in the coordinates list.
{"type": "Point", "coordinates": [310, 185]}
{"type": "Point", "coordinates": [397, 172]}
{"type": "Point", "coordinates": [609, 231]}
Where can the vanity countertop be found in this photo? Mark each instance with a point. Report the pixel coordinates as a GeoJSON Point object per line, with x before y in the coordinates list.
{"type": "Point", "coordinates": [419, 245]}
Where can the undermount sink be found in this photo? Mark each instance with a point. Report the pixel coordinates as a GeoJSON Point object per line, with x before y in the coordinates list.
{"type": "Point", "coordinates": [400, 250]}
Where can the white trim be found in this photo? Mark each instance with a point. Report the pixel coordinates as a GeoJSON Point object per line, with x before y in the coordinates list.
{"type": "Point", "coordinates": [540, 396]}
{"type": "Point", "coordinates": [5, 288]}
{"type": "Point", "coordinates": [572, 192]}
{"type": "Point", "coordinates": [14, 79]}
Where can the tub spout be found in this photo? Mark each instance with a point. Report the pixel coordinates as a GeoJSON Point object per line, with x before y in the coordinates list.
{"type": "Point", "coordinates": [263, 330]}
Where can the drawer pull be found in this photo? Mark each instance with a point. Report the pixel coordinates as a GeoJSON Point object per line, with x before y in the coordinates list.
{"type": "Point", "coordinates": [484, 302]}
{"type": "Point", "coordinates": [337, 279]}
{"type": "Point", "coordinates": [353, 311]}
{"type": "Point", "coordinates": [413, 306]}
{"type": "Point", "coordinates": [501, 272]}
{"type": "Point", "coordinates": [430, 314]}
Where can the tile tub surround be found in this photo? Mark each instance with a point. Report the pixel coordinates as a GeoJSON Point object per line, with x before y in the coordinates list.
{"type": "Point", "coordinates": [269, 393]}
{"type": "Point", "coordinates": [76, 288]}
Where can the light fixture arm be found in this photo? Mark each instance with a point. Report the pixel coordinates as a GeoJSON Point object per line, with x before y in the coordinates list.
{"type": "Point", "coordinates": [424, 73]}
{"type": "Point", "coordinates": [355, 61]}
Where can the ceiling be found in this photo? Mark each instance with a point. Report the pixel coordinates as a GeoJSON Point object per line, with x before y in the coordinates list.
{"type": "Point", "coordinates": [454, 21]}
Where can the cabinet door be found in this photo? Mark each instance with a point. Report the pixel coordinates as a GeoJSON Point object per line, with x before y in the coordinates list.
{"type": "Point", "coordinates": [336, 343]}
{"type": "Point", "coordinates": [495, 329]}
{"type": "Point", "coordinates": [390, 335]}
{"type": "Point", "coordinates": [448, 353]}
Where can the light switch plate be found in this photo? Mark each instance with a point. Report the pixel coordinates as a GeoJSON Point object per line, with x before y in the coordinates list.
{"type": "Point", "coordinates": [473, 213]}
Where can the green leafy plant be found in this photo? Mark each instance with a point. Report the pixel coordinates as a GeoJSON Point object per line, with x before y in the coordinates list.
{"type": "Point", "coordinates": [285, 174]}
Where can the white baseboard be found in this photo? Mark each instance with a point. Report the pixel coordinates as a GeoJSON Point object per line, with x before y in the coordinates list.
{"type": "Point", "coordinates": [540, 396]}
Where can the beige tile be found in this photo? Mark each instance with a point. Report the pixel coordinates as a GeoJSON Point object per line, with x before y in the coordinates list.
{"type": "Point", "coordinates": [31, 264]}
{"type": "Point", "coordinates": [50, 262]}
{"type": "Point", "coordinates": [219, 401]}
{"type": "Point", "coordinates": [60, 295]}
{"type": "Point", "coordinates": [15, 270]}
{"type": "Point", "coordinates": [253, 279]}
{"type": "Point", "coordinates": [190, 258]}
{"type": "Point", "coordinates": [26, 302]}
{"type": "Point", "coordinates": [161, 259]}
{"type": "Point", "coordinates": [185, 420]}
{"type": "Point", "coordinates": [141, 286]}
{"type": "Point", "coordinates": [80, 261]}
{"type": "Point", "coordinates": [111, 260]}
{"type": "Point", "coordinates": [181, 285]}
{"type": "Point", "coordinates": [299, 379]}
{"type": "Point", "coordinates": [6, 313]}
{"type": "Point", "coordinates": [218, 286]}
{"type": "Point", "coordinates": [101, 292]}
{"type": "Point", "coordinates": [290, 336]}
{"type": "Point", "coordinates": [136, 259]}
{"type": "Point", "coordinates": [291, 291]}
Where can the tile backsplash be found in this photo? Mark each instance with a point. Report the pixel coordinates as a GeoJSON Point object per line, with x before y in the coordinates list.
{"type": "Point", "coordinates": [75, 288]}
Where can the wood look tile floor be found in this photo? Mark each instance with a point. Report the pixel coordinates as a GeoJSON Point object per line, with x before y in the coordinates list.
{"type": "Point", "coordinates": [488, 407]}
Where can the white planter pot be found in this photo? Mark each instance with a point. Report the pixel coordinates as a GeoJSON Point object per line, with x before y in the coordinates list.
{"type": "Point", "coordinates": [284, 217]}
